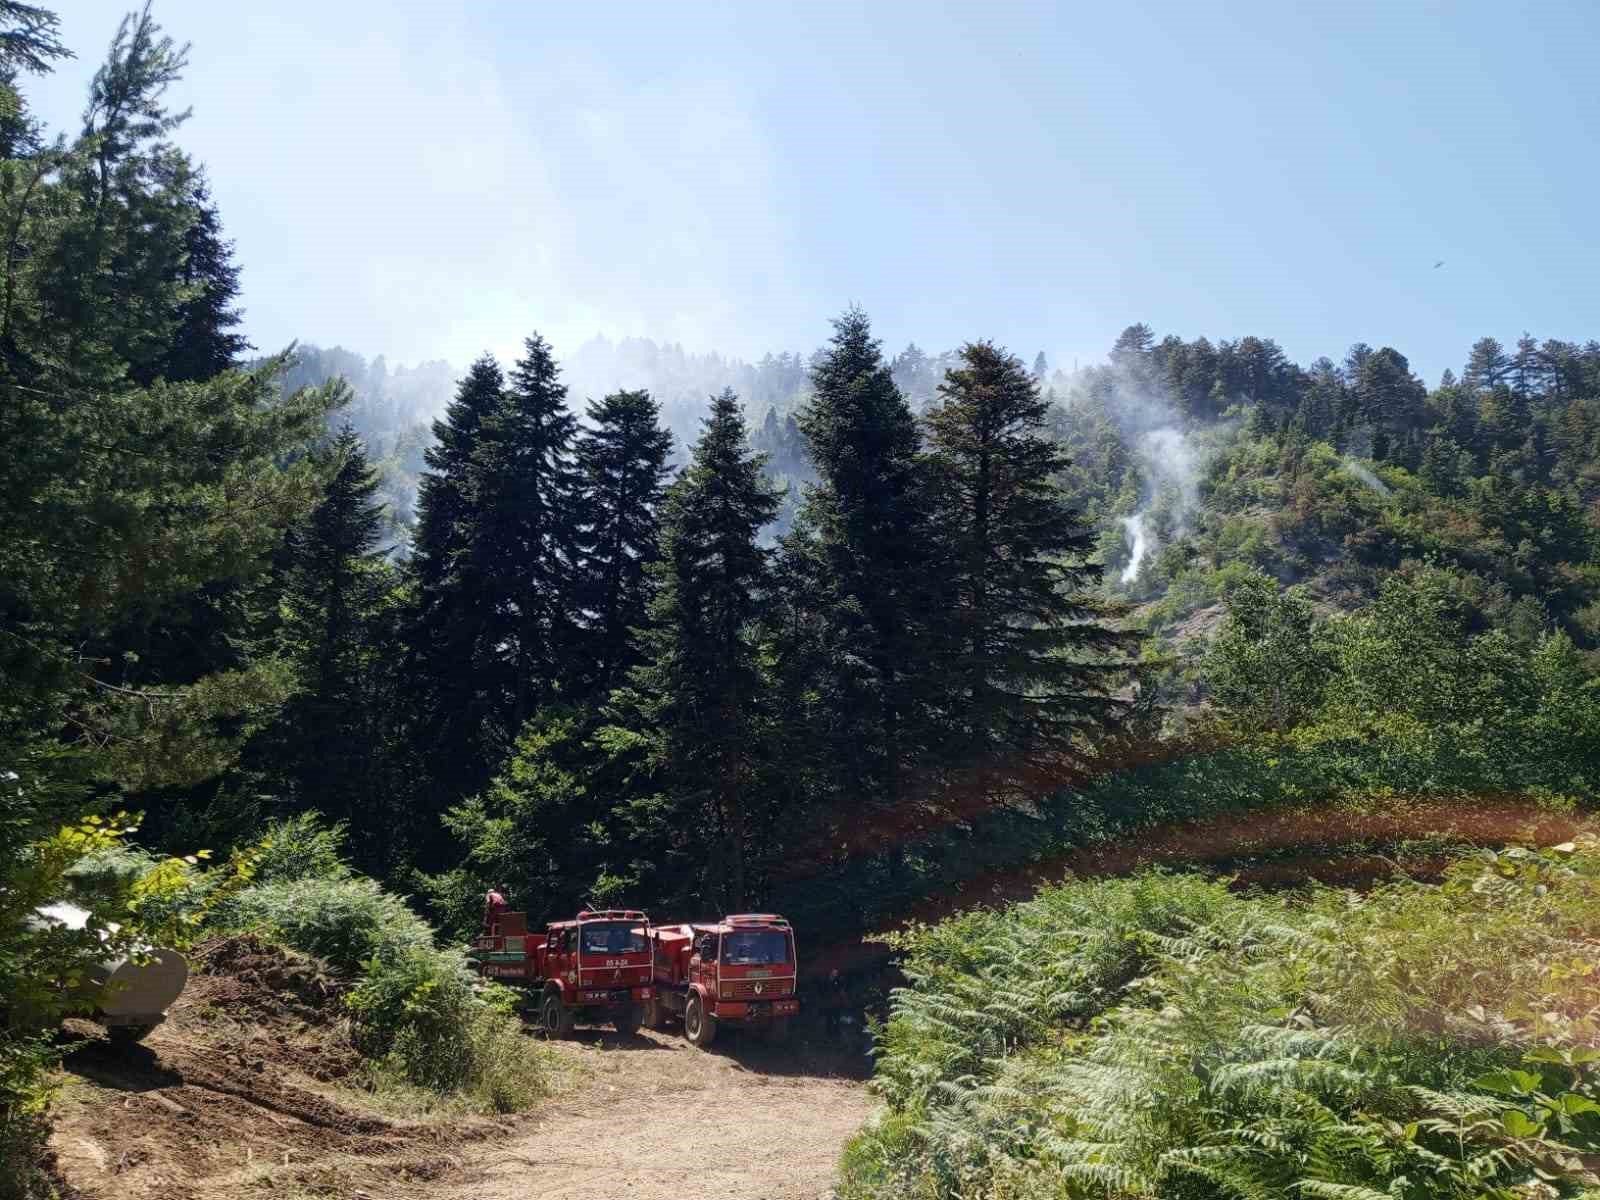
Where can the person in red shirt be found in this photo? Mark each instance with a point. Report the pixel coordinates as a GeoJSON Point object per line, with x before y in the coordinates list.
{"type": "Point", "coordinates": [493, 905]}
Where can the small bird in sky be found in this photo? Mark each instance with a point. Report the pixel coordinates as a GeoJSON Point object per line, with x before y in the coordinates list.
{"type": "Point", "coordinates": [1438, 264]}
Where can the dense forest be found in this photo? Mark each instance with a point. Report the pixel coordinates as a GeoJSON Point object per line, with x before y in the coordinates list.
{"type": "Point", "coordinates": [835, 632]}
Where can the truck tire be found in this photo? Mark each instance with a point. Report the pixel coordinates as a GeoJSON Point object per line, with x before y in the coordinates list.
{"type": "Point", "coordinates": [558, 1018]}
{"type": "Point", "coordinates": [627, 1019]}
{"type": "Point", "coordinates": [699, 1026]}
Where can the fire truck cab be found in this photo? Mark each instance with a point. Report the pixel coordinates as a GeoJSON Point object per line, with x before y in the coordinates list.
{"type": "Point", "coordinates": [595, 967]}
{"type": "Point", "coordinates": [738, 971]}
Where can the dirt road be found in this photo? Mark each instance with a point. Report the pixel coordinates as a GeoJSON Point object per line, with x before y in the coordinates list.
{"type": "Point", "coordinates": [742, 1121]}
{"type": "Point", "coordinates": [249, 1091]}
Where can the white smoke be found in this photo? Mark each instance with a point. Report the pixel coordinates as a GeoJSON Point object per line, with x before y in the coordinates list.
{"type": "Point", "coordinates": [1138, 542]}
{"type": "Point", "coordinates": [1172, 481]}
{"type": "Point", "coordinates": [1366, 476]}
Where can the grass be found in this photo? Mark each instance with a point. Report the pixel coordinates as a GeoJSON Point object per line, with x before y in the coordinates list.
{"type": "Point", "coordinates": [1159, 1036]}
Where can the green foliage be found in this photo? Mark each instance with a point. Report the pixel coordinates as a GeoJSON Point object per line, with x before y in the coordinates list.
{"type": "Point", "coordinates": [695, 703]}
{"type": "Point", "coordinates": [1265, 667]}
{"type": "Point", "coordinates": [1162, 1037]}
{"type": "Point", "coordinates": [417, 1012]}
{"type": "Point", "coordinates": [301, 847]}
{"type": "Point", "coordinates": [417, 1015]}
{"type": "Point", "coordinates": [1031, 663]}
{"type": "Point", "coordinates": [346, 922]}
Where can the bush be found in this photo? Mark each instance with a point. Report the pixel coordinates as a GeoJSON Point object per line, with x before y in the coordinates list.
{"type": "Point", "coordinates": [346, 922]}
{"type": "Point", "coordinates": [1160, 1037]}
{"type": "Point", "coordinates": [417, 1012]}
{"type": "Point", "coordinates": [420, 1018]}
{"type": "Point", "coordinates": [302, 847]}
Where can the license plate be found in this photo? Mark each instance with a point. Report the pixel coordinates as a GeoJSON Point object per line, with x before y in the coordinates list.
{"type": "Point", "coordinates": [759, 975]}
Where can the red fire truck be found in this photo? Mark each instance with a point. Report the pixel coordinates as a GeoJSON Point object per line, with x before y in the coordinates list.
{"type": "Point", "coordinates": [739, 971]}
{"type": "Point", "coordinates": [595, 967]}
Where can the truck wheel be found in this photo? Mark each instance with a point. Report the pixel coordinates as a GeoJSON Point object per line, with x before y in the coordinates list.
{"type": "Point", "coordinates": [699, 1026]}
{"type": "Point", "coordinates": [627, 1021]}
{"type": "Point", "coordinates": [127, 1035]}
{"type": "Point", "coordinates": [558, 1018]}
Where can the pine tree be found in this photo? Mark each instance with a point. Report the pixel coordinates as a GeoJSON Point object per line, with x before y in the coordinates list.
{"type": "Point", "coordinates": [622, 458]}
{"type": "Point", "coordinates": [1032, 666]}
{"type": "Point", "coordinates": [495, 636]}
{"type": "Point", "coordinates": [205, 342]}
{"type": "Point", "coordinates": [699, 694]}
{"type": "Point", "coordinates": [454, 631]}
{"type": "Point", "coordinates": [331, 748]}
{"type": "Point", "coordinates": [528, 488]}
{"type": "Point", "coordinates": [866, 561]}
{"type": "Point", "coordinates": [1487, 365]}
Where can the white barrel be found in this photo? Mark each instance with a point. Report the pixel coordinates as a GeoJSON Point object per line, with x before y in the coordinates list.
{"type": "Point", "coordinates": [139, 992]}
{"type": "Point", "coordinates": [135, 990]}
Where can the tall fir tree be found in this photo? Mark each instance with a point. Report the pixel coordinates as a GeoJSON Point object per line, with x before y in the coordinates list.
{"type": "Point", "coordinates": [699, 695]}
{"type": "Point", "coordinates": [1032, 663]}
{"type": "Point", "coordinates": [496, 630]}
{"type": "Point", "coordinates": [862, 554]}
{"type": "Point", "coordinates": [528, 489]}
{"type": "Point", "coordinates": [622, 458]}
{"type": "Point", "coordinates": [332, 749]}
{"type": "Point", "coordinates": [453, 630]}
{"type": "Point", "coordinates": [205, 341]}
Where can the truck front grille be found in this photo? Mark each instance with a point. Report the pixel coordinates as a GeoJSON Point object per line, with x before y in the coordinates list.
{"type": "Point", "coordinates": [747, 989]}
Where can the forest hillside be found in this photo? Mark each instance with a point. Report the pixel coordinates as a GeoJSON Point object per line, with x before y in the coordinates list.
{"type": "Point", "coordinates": [305, 653]}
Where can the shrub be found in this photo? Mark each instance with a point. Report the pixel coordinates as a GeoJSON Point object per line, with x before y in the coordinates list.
{"type": "Point", "coordinates": [302, 847]}
{"type": "Point", "coordinates": [1160, 1037]}
{"type": "Point", "coordinates": [346, 922]}
{"type": "Point", "coordinates": [416, 1012]}
{"type": "Point", "coordinates": [418, 1016]}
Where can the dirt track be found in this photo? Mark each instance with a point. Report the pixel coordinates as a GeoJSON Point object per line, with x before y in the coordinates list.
{"type": "Point", "coordinates": [741, 1122]}
{"type": "Point", "coordinates": [248, 1091]}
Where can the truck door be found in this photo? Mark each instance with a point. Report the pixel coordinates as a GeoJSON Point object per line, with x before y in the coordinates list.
{"type": "Point", "coordinates": [705, 963]}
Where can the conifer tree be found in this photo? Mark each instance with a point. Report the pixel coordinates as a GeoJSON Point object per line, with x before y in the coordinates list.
{"type": "Point", "coordinates": [863, 558]}
{"type": "Point", "coordinates": [699, 693]}
{"type": "Point", "coordinates": [331, 748]}
{"type": "Point", "coordinates": [205, 342]}
{"type": "Point", "coordinates": [622, 457]}
{"type": "Point", "coordinates": [495, 636]}
{"type": "Point", "coordinates": [453, 631]}
{"type": "Point", "coordinates": [528, 487]}
{"type": "Point", "coordinates": [1032, 663]}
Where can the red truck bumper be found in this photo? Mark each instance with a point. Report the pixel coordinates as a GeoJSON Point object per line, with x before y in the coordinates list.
{"type": "Point", "coordinates": [614, 996]}
{"type": "Point", "coordinates": [754, 1011]}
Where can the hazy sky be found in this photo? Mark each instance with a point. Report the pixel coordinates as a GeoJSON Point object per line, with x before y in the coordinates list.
{"type": "Point", "coordinates": [428, 180]}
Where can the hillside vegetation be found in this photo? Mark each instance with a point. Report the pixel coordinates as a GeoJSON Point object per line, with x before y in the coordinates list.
{"type": "Point", "coordinates": [1162, 1036]}
{"type": "Point", "coordinates": [289, 648]}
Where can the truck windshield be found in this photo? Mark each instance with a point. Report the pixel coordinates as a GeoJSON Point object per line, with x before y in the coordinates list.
{"type": "Point", "coordinates": [755, 948]}
{"type": "Point", "coordinates": [611, 939]}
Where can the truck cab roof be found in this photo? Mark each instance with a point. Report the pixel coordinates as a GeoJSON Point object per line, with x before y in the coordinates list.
{"type": "Point", "coordinates": [588, 916]}
{"type": "Point", "coordinates": [737, 921]}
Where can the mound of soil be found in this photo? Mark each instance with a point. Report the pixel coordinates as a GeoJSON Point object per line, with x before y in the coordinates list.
{"type": "Point", "coordinates": [249, 1085]}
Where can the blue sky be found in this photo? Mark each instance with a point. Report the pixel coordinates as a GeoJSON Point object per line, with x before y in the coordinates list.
{"type": "Point", "coordinates": [429, 180]}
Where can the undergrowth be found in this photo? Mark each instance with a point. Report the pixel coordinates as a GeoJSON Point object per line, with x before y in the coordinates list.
{"type": "Point", "coordinates": [1160, 1036]}
{"type": "Point", "coordinates": [434, 1036]}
